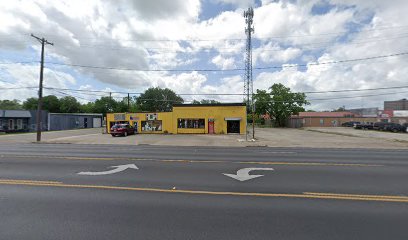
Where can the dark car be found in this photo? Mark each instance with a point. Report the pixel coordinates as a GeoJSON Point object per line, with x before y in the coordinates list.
{"type": "Point", "coordinates": [379, 125]}
{"type": "Point", "coordinates": [122, 130]}
{"type": "Point", "coordinates": [394, 127]}
{"type": "Point", "coordinates": [349, 124]}
{"type": "Point", "coordinates": [367, 125]}
{"type": "Point", "coordinates": [405, 125]}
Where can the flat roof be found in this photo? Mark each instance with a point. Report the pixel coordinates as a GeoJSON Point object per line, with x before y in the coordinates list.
{"type": "Point", "coordinates": [210, 105]}
{"type": "Point", "coordinates": [79, 114]}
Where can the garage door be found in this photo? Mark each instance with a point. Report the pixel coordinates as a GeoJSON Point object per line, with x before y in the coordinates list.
{"type": "Point", "coordinates": [97, 122]}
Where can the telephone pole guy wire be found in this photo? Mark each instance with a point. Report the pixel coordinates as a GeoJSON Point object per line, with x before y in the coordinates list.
{"type": "Point", "coordinates": [40, 88]}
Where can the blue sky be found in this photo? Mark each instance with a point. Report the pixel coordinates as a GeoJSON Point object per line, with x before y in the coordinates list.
{"type": "Point", "coordinates": [184, 37]}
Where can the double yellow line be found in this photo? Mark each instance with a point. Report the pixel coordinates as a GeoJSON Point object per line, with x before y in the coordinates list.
{"type": "Point", "coordinates": [307, 195]}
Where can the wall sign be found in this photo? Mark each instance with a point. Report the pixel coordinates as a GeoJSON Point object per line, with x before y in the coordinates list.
{"type": "Point", "coordinates": [119, 117]}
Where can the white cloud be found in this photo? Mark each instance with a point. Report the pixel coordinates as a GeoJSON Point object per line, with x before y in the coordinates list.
{"type": "Point", "coordinates": [238, 3]}
{"type": "Point", "coordinates": [130, 34]}
{"type": "Point", "coordinates": [224, 63]}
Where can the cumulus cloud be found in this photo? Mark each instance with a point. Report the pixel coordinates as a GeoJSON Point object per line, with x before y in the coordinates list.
{"type": "Point", "coordinates": [134, 37]}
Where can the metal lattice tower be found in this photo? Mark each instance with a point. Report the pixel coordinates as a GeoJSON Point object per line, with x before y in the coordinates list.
{"type": "Point", "coordinates": [248, 83]}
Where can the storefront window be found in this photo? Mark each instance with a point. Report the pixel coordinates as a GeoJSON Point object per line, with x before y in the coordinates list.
{"type": "Point", "coordinates": [190, 123]}
{"type": "Point", "coordinates": [152, 126]}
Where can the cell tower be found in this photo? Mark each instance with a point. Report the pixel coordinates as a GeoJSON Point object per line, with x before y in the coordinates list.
{"type": "Point", "coordinates": [248, 83]}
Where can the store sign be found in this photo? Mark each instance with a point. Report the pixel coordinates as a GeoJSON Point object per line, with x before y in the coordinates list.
{"type": "Point", "coordinates": [133, 118]}
{"type": "Point", "coordinates": [119, 117]}
{"type": "Point", "coordinates": [151, 116]}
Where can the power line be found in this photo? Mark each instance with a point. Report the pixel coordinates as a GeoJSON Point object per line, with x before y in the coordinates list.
{"type": "Point", "coordinates": [220, 94]}
{"type": "Point", "coordinates": [231, 39]}
{"type": "Point", "coordinates": [19, 62]}
{"type": "Point", "coordinates": [333, 62]}
{"type": "Point", "coordinates": [361, 96]}
{"type": "Point", "coordinates": [357, 90]}
{"type": "Point", "coordinates": [17, 88]}
{"type": "Point", "coordinates": [233, 69]}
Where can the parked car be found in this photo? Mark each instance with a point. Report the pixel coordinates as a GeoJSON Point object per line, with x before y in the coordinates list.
{"type": "Point", "coordinates": [405, 125]}
{"type": "Point", "coordinates": [367, 125]}
{"type": "Point", "coordinates": [122, 130]}
{"type": "Point", "coordinates": [379, 125]}
{"type": "Point", "coordinates": [358, 125]}
{"type": "Point", "coordinates": [394, 127]}
{"type": "Point", "coordinates": [349, 124]}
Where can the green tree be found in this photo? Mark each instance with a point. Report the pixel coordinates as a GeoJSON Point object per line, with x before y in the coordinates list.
{"type": "Point", "coordinates": [280, 103]}
{"type": "Point", "coordinates": [262, 101]}
{"type": "Point", "coordinates": [158, 100]}
{"type": "Point", "coordinates": [30, 103]}
{"type": "Point", "coordinates": [50, 103]}
{"type": "Point", "coordinates": [88, 108]}
{"type": "Point", "coordinates": [104, 105]}
{"type": "Point", "coordinates": [69, 104]}
{"type": "Point", "coordinates": [205, 101]}
{"type": "Point", "coordinates": [340, 109]}
{"type": "Point", "coordinates": [10, 105]}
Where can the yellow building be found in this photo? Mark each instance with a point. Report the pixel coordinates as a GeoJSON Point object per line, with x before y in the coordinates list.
{"type": "Point", "coordinates": [187, 118]}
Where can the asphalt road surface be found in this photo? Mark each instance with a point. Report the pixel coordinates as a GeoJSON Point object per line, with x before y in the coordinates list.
{"type": "Point", "coordinates": [65, 191]}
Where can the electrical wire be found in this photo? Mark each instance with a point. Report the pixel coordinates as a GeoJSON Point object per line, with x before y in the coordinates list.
{"type": "Point", "coordinates": [227, 94]}
{"type": "Point", "coordinates": [234, 69]}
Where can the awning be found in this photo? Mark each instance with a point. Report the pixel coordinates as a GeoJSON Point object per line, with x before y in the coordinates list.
{"type": "Point", "coordinates": [233, 119]}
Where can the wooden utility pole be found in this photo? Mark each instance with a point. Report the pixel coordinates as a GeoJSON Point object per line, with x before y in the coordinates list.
{"type": "Point", "coordinates": [40, 90]}
{"type": "Point", "coordinates": [128, 102]}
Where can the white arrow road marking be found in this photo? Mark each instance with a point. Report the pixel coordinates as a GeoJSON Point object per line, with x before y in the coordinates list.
{"type": "Point", "coordinates": [117, 169]}
{"type": "Point", "coordinates": [243, 174]}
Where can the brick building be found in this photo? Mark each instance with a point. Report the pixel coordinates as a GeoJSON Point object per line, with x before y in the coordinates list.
{"type": "Point", "coordinates": [396, 105]}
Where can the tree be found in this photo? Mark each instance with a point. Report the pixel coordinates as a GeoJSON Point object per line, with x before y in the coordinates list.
{"type": "Point", "coordinates": [340, 109]}
{"type": "Point", "coordinates": [158, 100]}
{"type": "Point", "coordinates": [205, 101]}
{"type": "Point", "coordinates": [10, 105]}
{"type": "Point", "coordinates": [280, 103]}
{"type": "Point", "coordinates": [262, 101]}
{"type": "Point", "coordinates": [104, 105]}
{"type": "Point", "coordinates": [88, 108]}
{"type": "Point", "coordinates": [50, 103]}
{"type": "Point", "coordinates": [30, 103]}
{"type": "Point", "coordinates": [69, 104]}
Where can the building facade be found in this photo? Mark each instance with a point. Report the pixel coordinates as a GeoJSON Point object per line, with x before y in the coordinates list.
{"type": "Point", "coordinates": [336, 119]}
{"type": "Point", "coordinates": [26, 121]}
{"type": "Point", "coordinates": [187, 119]}
{"type": "Point", "coordinates": [396, 105]}
{"type": "Point", "coordinates": [66, 121]}
{"type": "Point", "coordinates": [14, 120]}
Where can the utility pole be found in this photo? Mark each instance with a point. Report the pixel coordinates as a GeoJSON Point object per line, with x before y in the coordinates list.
{"type": "Point", "coordinates": [110, 103]}
{"type": "Point", "coordinates": [40, 90]}
{"type": "Point", "coordinates": [128, 102]}
{"type": "Point", "coordinates": [248, 83]}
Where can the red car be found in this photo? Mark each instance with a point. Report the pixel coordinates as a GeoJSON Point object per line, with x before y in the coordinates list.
{"type": "Point", "coordinates": [122, 130]}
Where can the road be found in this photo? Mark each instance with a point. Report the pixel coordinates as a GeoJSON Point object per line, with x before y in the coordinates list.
{"type": "Point", "coordinates": [183, 192]}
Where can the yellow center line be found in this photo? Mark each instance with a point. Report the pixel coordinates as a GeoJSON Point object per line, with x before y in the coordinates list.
{"type": "Point", "coordinates": [379, 198]}
{"type": "Point", "coordinates": [206, 161]}
{"type": "Point", "coordinates": [356, 195]}
{"type": "Point", "coordinates": [27, 181]}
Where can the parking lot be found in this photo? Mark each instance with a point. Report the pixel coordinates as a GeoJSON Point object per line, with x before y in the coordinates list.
{"type": "Point", "coordinates": [339, 137]}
